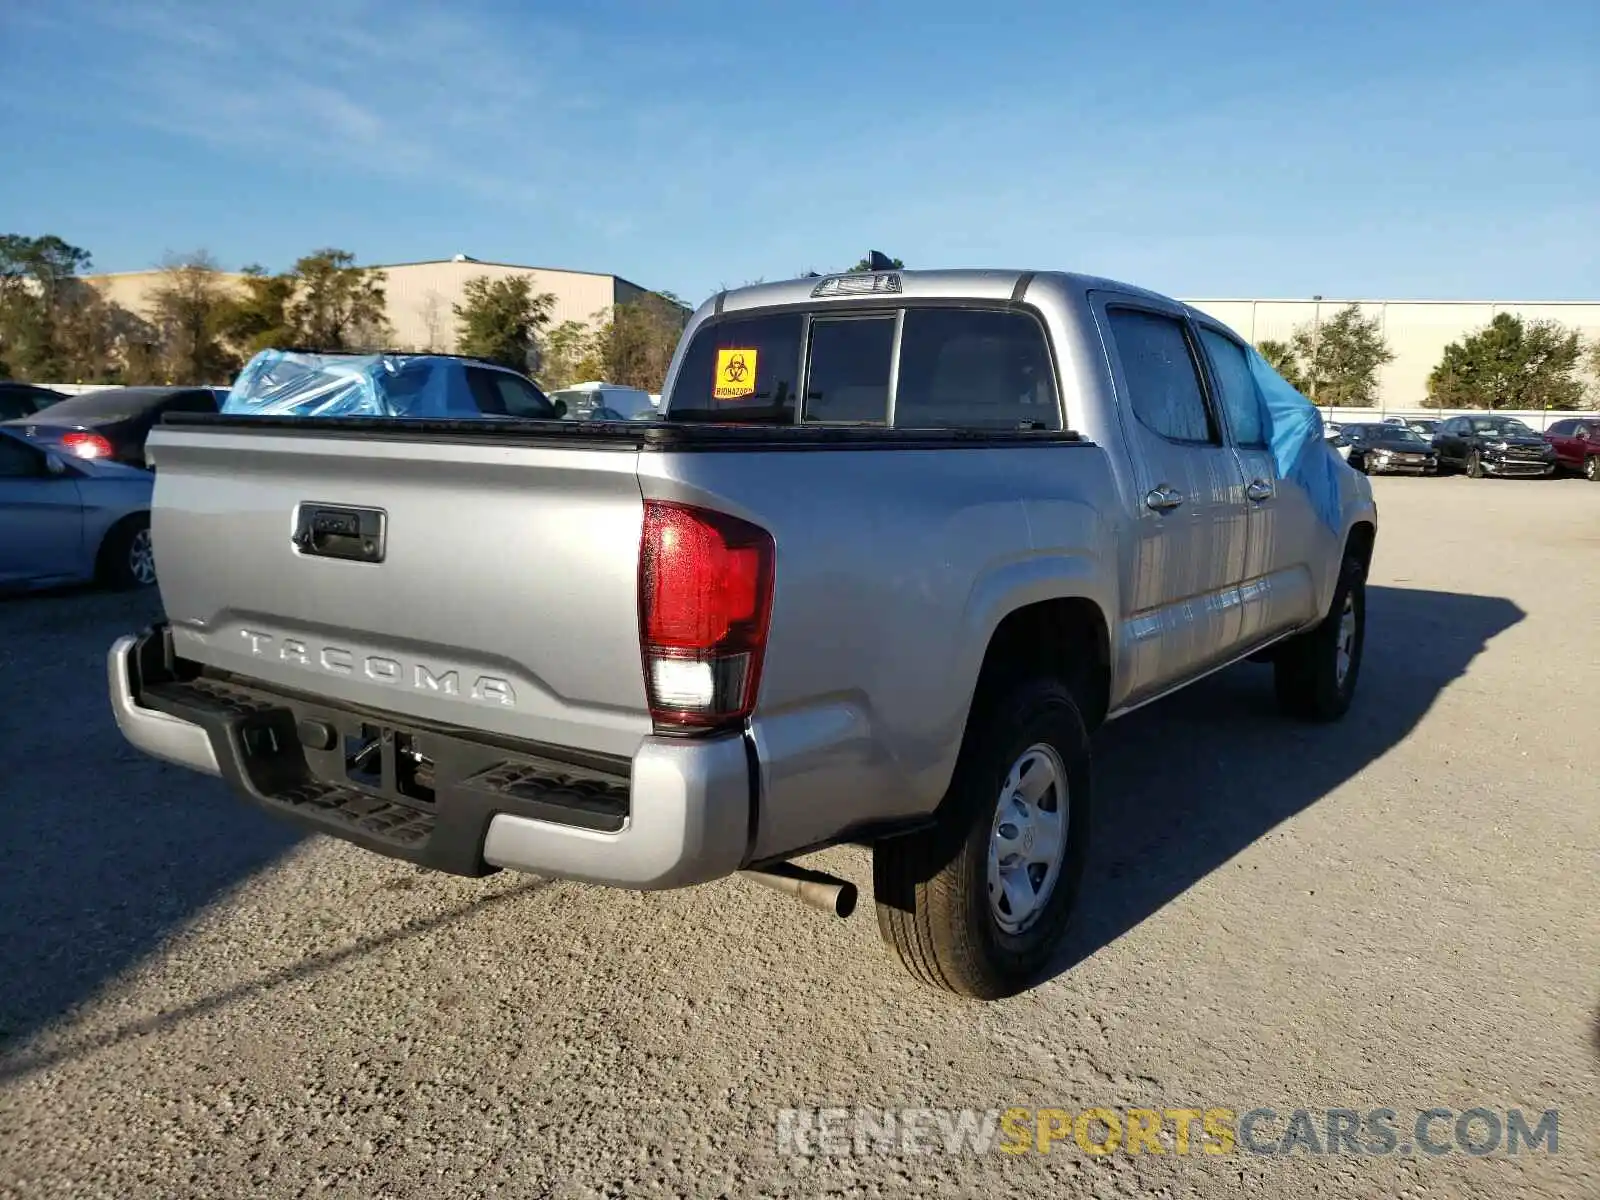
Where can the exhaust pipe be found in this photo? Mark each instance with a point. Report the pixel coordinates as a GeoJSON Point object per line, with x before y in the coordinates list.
{"type": "Point", "coordinates": [827, 892]}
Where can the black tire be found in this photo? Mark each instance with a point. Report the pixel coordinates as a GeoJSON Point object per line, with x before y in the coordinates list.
{"type": "Point", "coordinates": [125, 562]}
{"type": "Point", "coordinates": [931, 887]}
{"type": "Point", "coordinates": [1306, 672]}
{"type": "Point", "coordinates": [1591, 468]}
{"type": "Point", "coordinates": [1474, 466]}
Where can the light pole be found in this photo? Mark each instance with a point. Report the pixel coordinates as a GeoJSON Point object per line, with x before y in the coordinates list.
{"type": "Point", "coordinates": [1316, 346]}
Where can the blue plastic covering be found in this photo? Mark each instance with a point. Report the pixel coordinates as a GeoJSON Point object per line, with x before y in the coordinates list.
{"type": "Point", "coordinates": [287, 383]}
{"type": "Point", "coordinates": [1300, 450]}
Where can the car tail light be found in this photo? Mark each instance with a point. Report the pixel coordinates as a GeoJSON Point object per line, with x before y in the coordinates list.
{"type": "Point", "coordinates": [705, 599]}
{"type": "Point", "coordinates": [87, 445]}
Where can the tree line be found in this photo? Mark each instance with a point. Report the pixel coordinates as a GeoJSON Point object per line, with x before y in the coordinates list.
{"type": "Point", "coordinates": [1510, 363]}
{"type": "Point", "coordinates": [197, 325]}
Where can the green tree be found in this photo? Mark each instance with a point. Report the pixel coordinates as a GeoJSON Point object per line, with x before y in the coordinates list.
{"type": "Point", "coordinates": [90, 332]}
{"type": "Point", "coordinates": [637, 339]}
{"type": "Point", "coordinates": [1340, 358]}
{"type": "Point", "coordinates": [501, 320]}
{"type": "Point", "coordinates": [1280, 356]}
{"type": "Point", "coordinates": [256, 317]}
{"type": "Point", "coordinates": [337, 305]}
{"type": "Point", "coordinates": [40, 293]}
{"type": "Point", "coordinates": [1509, 363]}
{"type": "Point", "coordinates": [190, 308]}
{"type": "Point", "coordinates": [569, 354]}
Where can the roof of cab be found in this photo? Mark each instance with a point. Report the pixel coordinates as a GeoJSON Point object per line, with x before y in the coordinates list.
{"type": "Point", "coordinates": [954, 284]}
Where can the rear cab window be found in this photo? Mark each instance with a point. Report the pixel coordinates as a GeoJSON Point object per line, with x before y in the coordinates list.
{"type": "Point", "coordinates": [740, 369]}
{"type": "Point", "coordinates": [958, 368]}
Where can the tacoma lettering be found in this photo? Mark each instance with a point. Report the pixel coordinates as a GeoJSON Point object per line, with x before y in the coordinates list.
{"type": "Point", "coordinates": [336, 660]}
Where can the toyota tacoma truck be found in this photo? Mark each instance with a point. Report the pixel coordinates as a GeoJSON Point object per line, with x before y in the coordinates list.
{"type": "Point", "coordinates": [899, 544]}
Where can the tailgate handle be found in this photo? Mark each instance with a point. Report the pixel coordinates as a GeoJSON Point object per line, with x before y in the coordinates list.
{"type": "Point", "coordinates": [340, 531]}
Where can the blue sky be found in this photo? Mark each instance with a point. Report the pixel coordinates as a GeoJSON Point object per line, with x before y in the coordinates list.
{"type": "Point", "coordinates": [1206, 150]}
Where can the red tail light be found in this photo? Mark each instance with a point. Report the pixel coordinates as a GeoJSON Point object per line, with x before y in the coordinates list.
{"type": "Point", "coordinates": [86, 445]}
{"type": "Point", "coordinates": [705, 598]}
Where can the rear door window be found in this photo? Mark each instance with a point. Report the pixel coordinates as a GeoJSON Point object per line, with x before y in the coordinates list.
{"type": "Point", "coordinates": [499, 393]}
{"type": "Point", "coordinates": [740, 369]}
{"type": "Point", "coordinates": [1162, 378]}
{"type": "Point", "coordinates": [847, 370]}
{"type": "Point", "coordinates": [974, 369]}
{"type": "Point", "coordinates": [1230, 369]}
{"type": "Point", "coordinates": [521, 398]}
{"type": "Point", "coordinates": [199, 401]}
{"type": "Point", "coordinates": [19, 460]}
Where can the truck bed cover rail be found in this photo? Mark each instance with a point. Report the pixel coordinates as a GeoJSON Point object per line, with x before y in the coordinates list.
{"type": "Point", "coordinates": [620, 435]}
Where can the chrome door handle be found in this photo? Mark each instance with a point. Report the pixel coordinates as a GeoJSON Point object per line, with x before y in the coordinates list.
{"type": "Point", "coordinates": [1259, 490]}
{"type": "Point", "coordinates": [1163, 498]}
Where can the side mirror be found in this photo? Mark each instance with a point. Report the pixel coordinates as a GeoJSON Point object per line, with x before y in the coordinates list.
{"type": "Point", "coordinates": [54, 465]}
{"type": "Point", "coordinates": [561, 408]}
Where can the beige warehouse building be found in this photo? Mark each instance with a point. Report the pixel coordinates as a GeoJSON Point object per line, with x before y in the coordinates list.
{"type": "Point", "coordinates": [421, 295]}
{"type": "Point", "coordinates": [1417, 330]}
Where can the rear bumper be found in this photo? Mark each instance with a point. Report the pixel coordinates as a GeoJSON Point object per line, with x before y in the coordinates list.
{"type": "Point", "coordinates": [679, 813]}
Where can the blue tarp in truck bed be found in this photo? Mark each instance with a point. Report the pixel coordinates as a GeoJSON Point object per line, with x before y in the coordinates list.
{"type": "Point", "coordinates": [293, 383]}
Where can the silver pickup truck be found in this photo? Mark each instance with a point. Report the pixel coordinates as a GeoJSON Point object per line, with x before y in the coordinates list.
{"type": "Point", "coordinates": [901, 542]}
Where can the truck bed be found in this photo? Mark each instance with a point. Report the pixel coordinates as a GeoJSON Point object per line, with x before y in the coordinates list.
{"type": "Point", "coordinates": [504, 593]}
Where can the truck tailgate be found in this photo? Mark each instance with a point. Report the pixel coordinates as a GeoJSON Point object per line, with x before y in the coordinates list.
{"type": "Point", "coordinates": [470, 582]}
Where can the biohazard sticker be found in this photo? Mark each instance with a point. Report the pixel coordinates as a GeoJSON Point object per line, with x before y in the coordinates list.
{"type": "Point", "coordinates": [736, 375]}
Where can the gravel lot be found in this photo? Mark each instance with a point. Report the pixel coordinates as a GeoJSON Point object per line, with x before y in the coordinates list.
{"type": "Point", "coordinates": [1398, 911]}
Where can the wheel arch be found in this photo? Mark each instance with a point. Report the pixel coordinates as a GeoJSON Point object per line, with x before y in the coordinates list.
{"type": "Point", "coordinates": [1360, 542]}
{"type": "Point", "coordinates": [1064, 637]}
{"type": "Point", "coordinates": [109, 539]}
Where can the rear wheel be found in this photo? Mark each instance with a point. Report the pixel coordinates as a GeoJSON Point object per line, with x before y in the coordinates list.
{"type": "Point", "coordinates": [1591, 468]}
{"type": "Point", "coordinates": [978, 904]}
{"type": "Point", "coordinates": [1315, 672]}
{"type": "Point", "coordinates": [127, 557]}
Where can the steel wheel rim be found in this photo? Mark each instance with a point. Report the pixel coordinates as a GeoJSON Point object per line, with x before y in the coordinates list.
{"type": "Point", "coordinates": [142, 557]}
{"type": "Point", "coordinates": [1346, 650]}
{"type": "Point", "coordinates": [1591, 468]}
{"type": "Point", "coordinates": [1028, 838]}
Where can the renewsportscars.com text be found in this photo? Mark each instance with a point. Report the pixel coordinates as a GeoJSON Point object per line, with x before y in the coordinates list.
{"type": "Point", "coordinates": [1430, 1132]}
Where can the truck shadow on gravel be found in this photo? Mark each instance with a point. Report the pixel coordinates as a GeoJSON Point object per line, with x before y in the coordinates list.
{"type": "Point", "coordinates": [106, 852]}
{"type": "Point", "coordinates": [1183, 786]}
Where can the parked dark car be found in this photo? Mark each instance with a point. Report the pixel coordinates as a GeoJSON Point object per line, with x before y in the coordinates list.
{"type": "Point", "coordinates": [25, 399]}
{"type": "Point", "coordinates": [1388, 449]}
{"type": "Point", "coordinates": [1576, 441]}
{"type": "Point", "coordinates": [1493, 445]}
{"type": "Point", "coordinates": [112, 423]}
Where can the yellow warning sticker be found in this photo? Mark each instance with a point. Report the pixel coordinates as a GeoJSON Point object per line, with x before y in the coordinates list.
{"type": "Point", "coordinates": [736, 374]}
